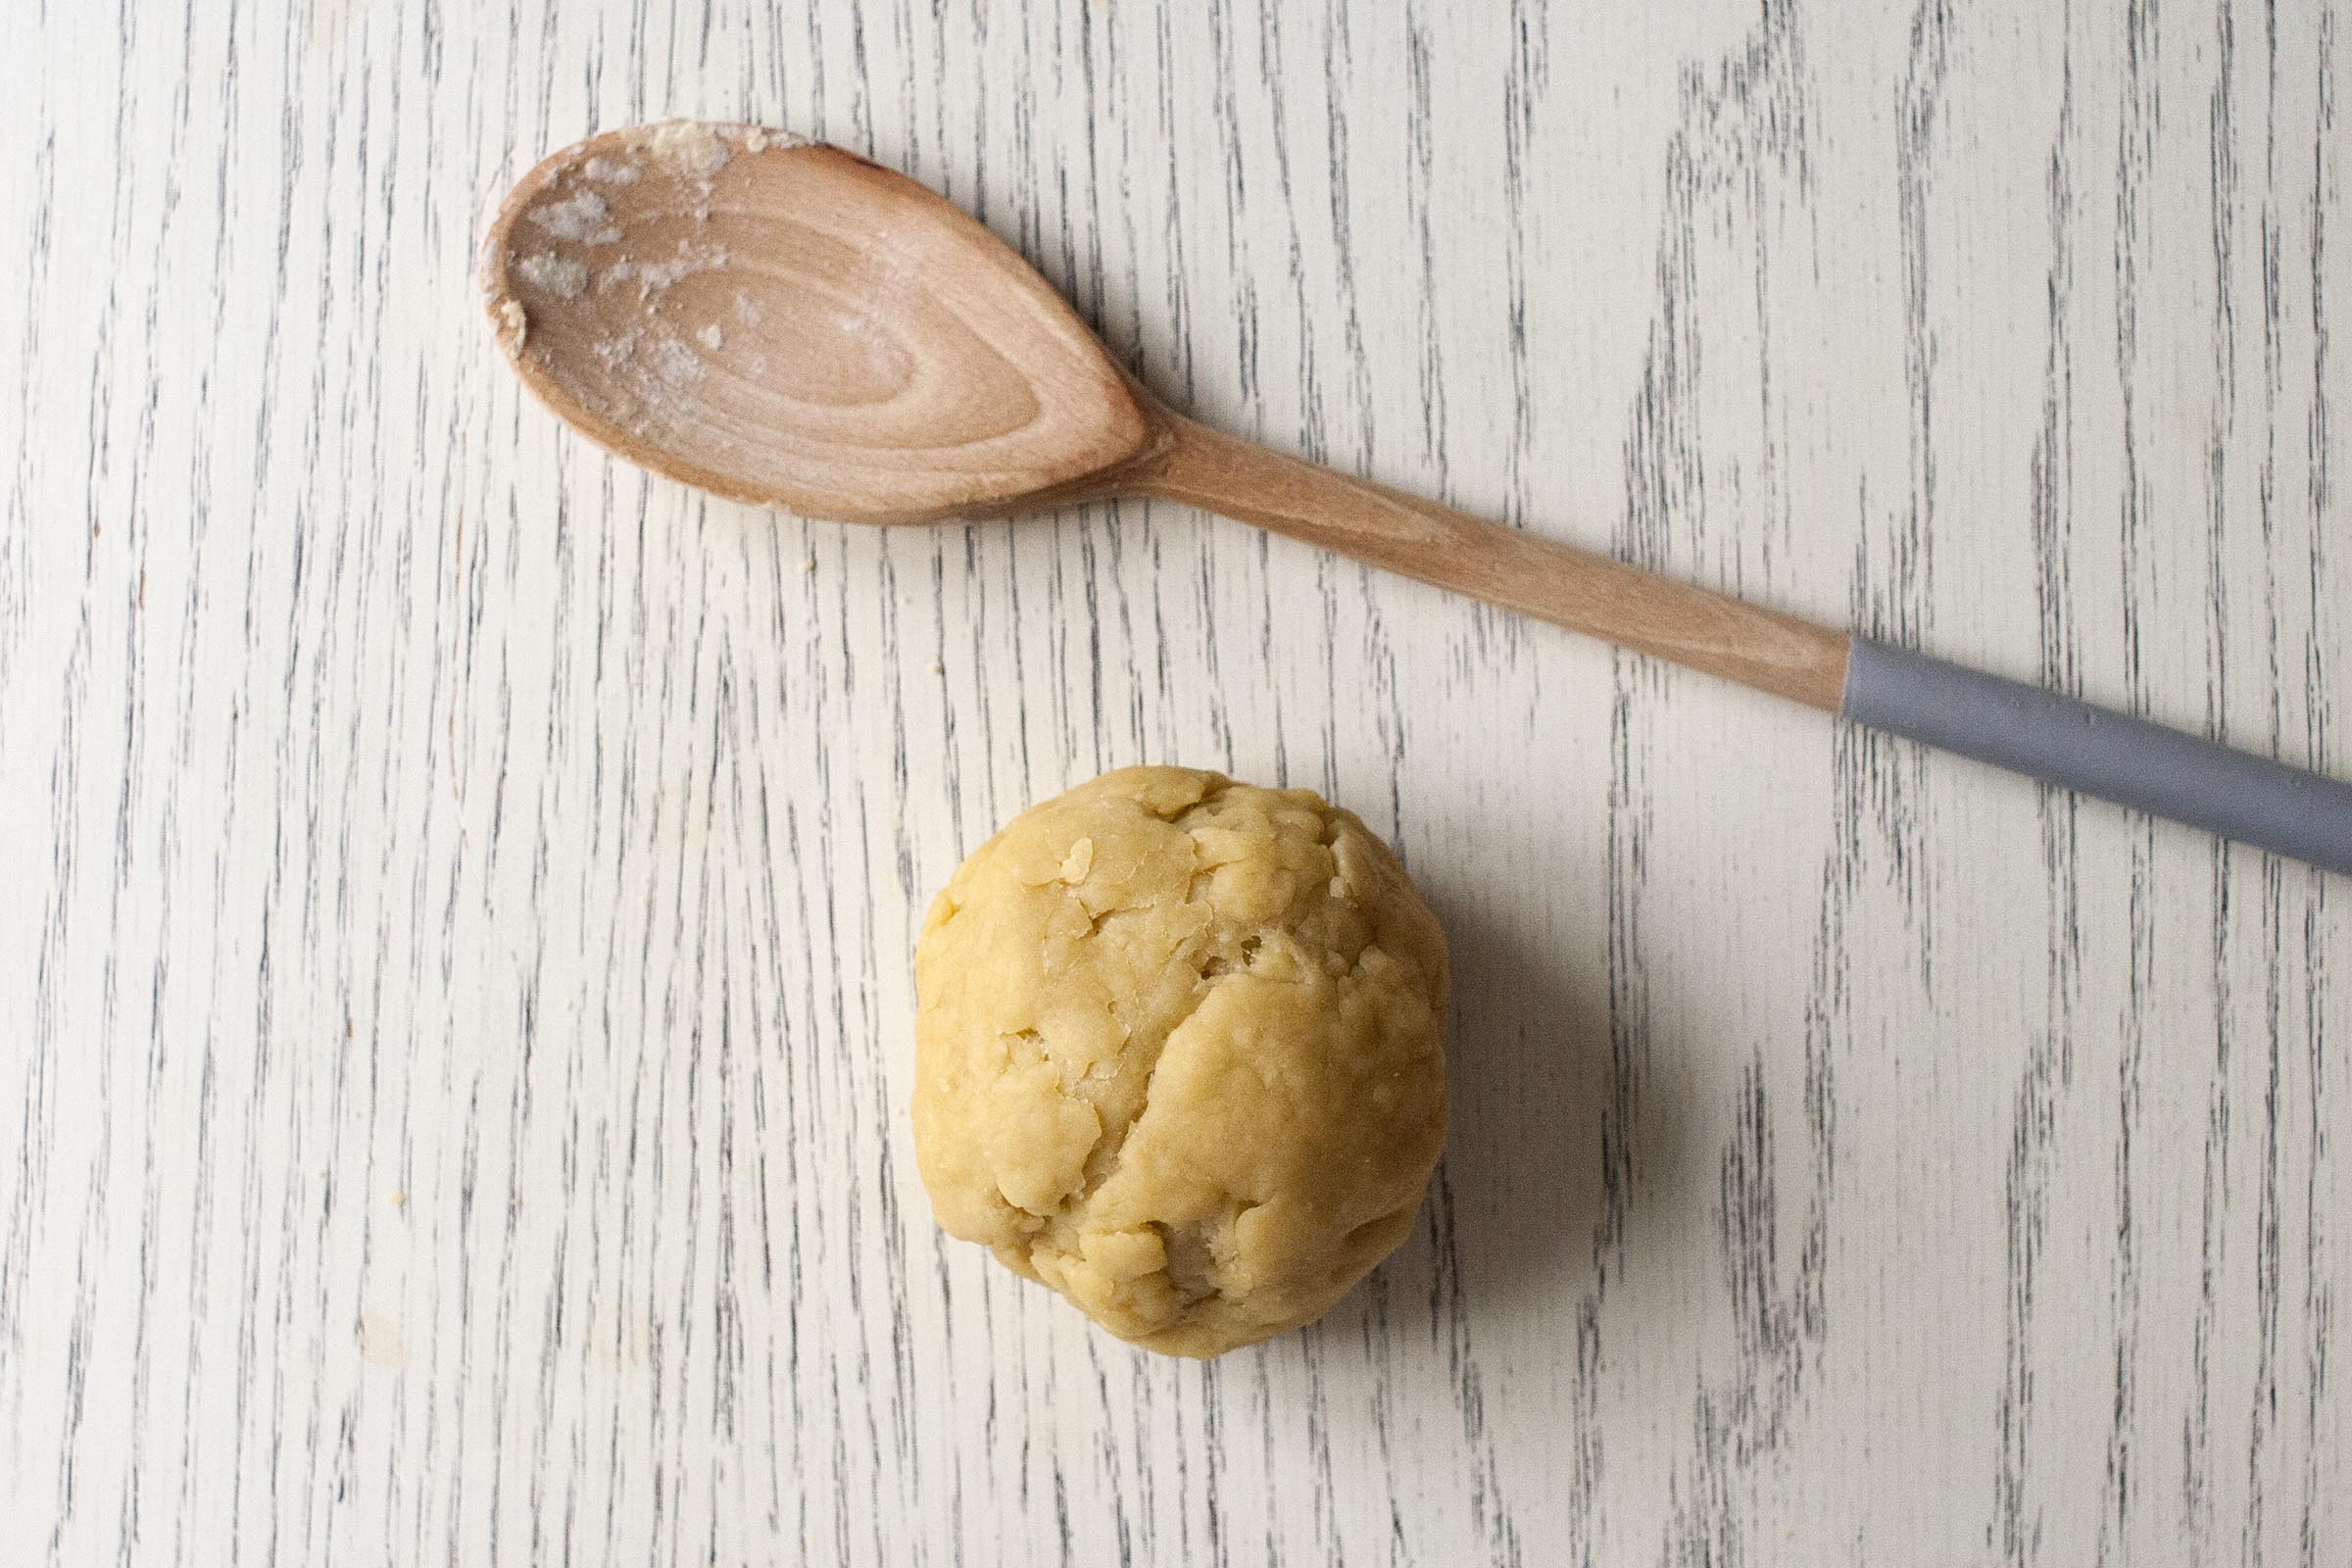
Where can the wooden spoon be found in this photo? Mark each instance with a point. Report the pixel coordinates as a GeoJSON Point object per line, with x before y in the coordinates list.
{"type": "Point", "coordinates": [786, 323]}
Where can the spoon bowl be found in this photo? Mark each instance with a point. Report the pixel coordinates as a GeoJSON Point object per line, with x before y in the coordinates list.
{"type": "Point", "coordinates": [784, 322]}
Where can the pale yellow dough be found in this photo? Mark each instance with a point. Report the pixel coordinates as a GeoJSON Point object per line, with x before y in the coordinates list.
{"type": "Point", "coordinates": [1179, 1055]}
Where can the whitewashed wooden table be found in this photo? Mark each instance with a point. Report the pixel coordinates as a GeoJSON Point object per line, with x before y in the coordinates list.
{"type": "Point", "coordinates": [454, 993]}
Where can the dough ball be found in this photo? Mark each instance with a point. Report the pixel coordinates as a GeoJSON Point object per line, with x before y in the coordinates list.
{"type": "Point", "coordinates": [1179, 1055]}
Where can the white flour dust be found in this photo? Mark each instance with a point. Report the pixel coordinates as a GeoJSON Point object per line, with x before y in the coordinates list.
{"type": "Point", "coordinates": [559, 275]}
{"type": "Point", "coordinates": [655, 277]}
{"type": "Point", "coordinates": [693, 148]}
{"type": "Point", "coordinates": [611, 171]}
{"type": "Point", "coordinates": [581, 215]}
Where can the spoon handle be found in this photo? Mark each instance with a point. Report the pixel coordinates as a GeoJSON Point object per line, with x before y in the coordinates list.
{"type": "Point", "coordinates": [1508, 566]}
{"type": "Point", "coordinates": [2098, 750]}
{"type": "Point", "coordinates": [2075, 745]}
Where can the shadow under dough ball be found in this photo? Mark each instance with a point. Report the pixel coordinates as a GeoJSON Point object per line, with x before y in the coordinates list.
{"type": "Point", "coordinates": [1180, 1056]}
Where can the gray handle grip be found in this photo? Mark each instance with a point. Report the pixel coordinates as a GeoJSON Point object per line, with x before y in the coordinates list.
{"type": "Point", "coordinates": [2100, 751]}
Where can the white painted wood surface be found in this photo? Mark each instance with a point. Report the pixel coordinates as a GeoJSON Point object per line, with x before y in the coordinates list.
{"type": "Point", "coordinates": [454, 996]}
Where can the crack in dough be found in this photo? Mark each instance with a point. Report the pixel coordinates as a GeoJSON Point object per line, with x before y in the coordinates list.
{"type": "Point", "coordinates": [1179, 1054]}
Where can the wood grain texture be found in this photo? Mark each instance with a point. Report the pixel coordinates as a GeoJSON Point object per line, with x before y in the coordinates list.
{"type": "Point", "coordinates": [453, 995]}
